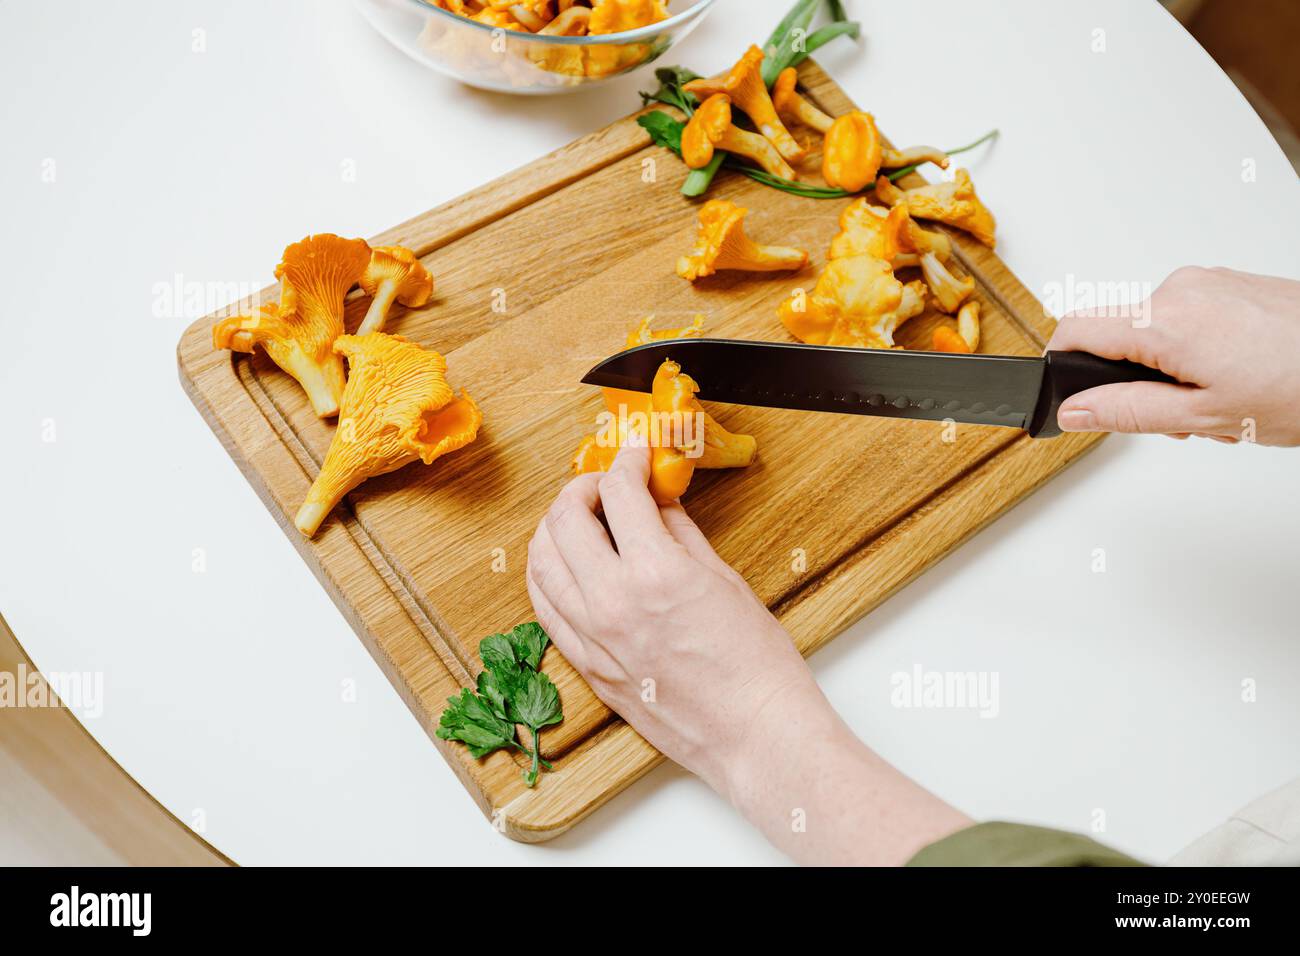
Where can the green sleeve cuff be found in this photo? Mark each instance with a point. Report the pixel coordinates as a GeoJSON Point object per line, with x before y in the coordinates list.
{"type": "Point", "coordinates": [1014, 844]}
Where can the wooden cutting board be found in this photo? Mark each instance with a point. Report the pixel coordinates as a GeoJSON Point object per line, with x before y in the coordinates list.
{"type": "Point", "coordinates": [540, 274]}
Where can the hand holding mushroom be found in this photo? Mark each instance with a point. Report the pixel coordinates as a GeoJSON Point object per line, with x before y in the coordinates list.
{"type": "Point", "coordinates": [666, 419]}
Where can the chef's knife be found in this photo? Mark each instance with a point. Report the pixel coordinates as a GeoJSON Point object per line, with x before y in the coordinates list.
{"type": "Point", "coordinates": [1012, 390]}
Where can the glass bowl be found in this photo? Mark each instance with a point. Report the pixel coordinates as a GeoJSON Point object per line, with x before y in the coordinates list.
{"type": "Point", "coordinates": [507, 61]}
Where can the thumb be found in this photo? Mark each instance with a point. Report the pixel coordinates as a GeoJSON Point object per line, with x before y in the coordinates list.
{"type": "Point", "coordinates": [1130, 407]}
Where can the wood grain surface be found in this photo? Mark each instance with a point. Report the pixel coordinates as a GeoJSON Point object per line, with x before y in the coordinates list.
{"type": "Point", "coordinates": [539, 275]}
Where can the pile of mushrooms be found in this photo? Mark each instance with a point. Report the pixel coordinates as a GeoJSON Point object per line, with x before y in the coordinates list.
{"type": "Point", "coordinates": [852, 152]}
{"type": "Point", "coordinates": [561, 18]}
{"type": "Point", "coordinates": [396, 405]}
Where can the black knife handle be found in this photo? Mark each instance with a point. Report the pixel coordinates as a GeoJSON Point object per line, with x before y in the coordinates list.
{"type": "Point", "coordinates": [1068, 373]}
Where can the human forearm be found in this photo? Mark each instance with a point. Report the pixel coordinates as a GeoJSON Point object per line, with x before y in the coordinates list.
{"type": "Point", "coordinates": [677, 644]}
{"type": "Point", "coordinates": [821, 795]}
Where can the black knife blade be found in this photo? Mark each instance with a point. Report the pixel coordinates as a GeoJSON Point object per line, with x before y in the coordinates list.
{"type": "Point", "coordinates": [1010, 390]}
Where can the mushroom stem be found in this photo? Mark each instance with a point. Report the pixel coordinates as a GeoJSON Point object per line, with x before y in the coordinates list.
{"type": "Point", "coordinates": [323, 382]}
{"type": "Point", "coordinates": [913, 156]}
{"type": "Point", "coordinates": [810, 115]}
{"type": "Point", "coordinates": [377, 314]}
{"type": "Point", "coordinates": [949, 291]}
{"type": "Point", "coordinates": [325, 493]}
{"type": "Point", "coordinates": [570, 22]}
{"type": "Point", "coordinates": [724, 449]}
{"type": "Point", "coordinates": [968, 324]}
{"type": "Point", "coordinates": [310, 515]}
{"type": "Point", "coordinates": [527, 17]}
{"type": "Point", "coordinates": [791, 106]}
{"type": "Point", "coordinates": [777, 259]}
{"type": "Point", "coordinates": [887, 192]}
{"type": "Point", "coordinates": [758, 148]}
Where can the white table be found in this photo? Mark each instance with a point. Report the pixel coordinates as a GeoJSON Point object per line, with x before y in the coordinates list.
{"type": "Point", "coordinates": [1119, 692]}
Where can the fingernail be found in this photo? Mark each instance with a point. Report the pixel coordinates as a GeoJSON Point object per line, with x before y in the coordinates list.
{"type": "Point", "coordinates": [1077, 420]}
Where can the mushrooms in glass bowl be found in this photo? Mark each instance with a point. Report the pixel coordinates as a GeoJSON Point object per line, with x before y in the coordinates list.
{"type": "Point", "coordinates": [534, 46]}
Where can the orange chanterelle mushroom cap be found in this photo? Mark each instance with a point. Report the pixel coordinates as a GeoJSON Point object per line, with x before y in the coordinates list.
{"type": "Point", "coordinates": [722, 244]}
{"type": "Point", "coordinates": [393, 273]}
{"type": "Point", "coordinates": [954, 203]}
{"type": "Point", "coordinates": [857, 302]}
{"type": "Point", "coordinates": [743, 83]}
{"type": "Point", "coordinates": [710, 128]}
{"type": "Point", "coordinates": [615, 16]}
{"type": "Point", "coordinates": [397, 407]}
{"type": "Point", "coordinates": [851, 152]}
{"type": "Point", "coordinates": [298, 333]}
{"type": "Point", "coordinates": [674, 417]}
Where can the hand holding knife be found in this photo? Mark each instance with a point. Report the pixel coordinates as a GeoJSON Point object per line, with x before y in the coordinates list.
{"type": "Point", "coordinates": [1010, 390]}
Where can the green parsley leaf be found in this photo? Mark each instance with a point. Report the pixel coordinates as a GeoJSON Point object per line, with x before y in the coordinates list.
{"type": "Point", "coordinates": [497, 652]}
{"type": "Point", "coordinates": [663, 129]}
{"type": "Point", "coordinates": [529, 642]}
{"type": "Point", "coordinates": [670, 93]}
{"type": "Point", "coordinates": [494, 694]}
{"type": "Point", "coordinates": [471, 721]}
{"type": "Point", "coordinates": [537, 703]}
{"type": "Point", "coordinates": [511, 690]}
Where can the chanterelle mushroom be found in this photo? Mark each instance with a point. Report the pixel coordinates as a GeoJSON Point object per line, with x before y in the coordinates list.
{"type": "Point", "coordinates": [397, 407]}
{"type": "Point", "coordinates": [572, 22]}
{"type": "Point", "coordinates": [615, 16]}
{"type": "Point", "coordinates": [967, 336]}
{"type": "Point", "coordinates": [671, 462]}
{"type": "Point", "coordinates": [871, 230]}
{"type": "Point", "coordinates": [954, 203]}
{"type": "Point", "coordinates": [851, 152]}
{"type": "Point", "coordinates": [857, 302]}
{"type": "Point", "coordinates": [722, 244]}
{"type": "Point", "coordinates": [743, 83]}
{"type": "Point", "coordinates": [710, 127]}
{"type": "Point", "coordinates": [393, 273]}
{"type": "Point", "coordinates": [914, 155]}
{"type": "Point", "coordinates": [792, 107]}
{"type": "Point", "coordinates": [671, 466]}
{"type": "Point", "coordinates": [315, 274]}
{"type": "Point", "coordinates": [949, 290]}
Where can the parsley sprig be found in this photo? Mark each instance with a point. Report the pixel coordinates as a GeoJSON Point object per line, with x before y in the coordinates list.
{"type": "Point", "coordinates": [511, 690]}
